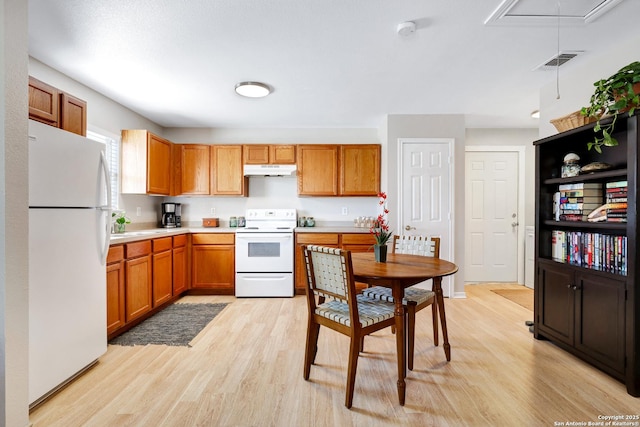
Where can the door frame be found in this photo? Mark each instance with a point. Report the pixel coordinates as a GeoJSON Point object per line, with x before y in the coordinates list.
{"type": "Point", "coordinates": [448, 289]}
{"type": "Point", "coordinates": [520, 150]}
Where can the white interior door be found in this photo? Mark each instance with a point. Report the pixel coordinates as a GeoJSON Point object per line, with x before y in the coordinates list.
{"type": "Point", "coordinates": [426, 201]}
{"type": "Point", "coordinates": [491, 217]}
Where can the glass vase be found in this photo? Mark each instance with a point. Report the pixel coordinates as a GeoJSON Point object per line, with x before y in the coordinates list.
{"type": "Point", "coordinates": [380, 252]}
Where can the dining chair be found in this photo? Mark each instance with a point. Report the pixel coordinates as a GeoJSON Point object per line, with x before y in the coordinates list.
{"type": "Point", "coordinates": [334, 303]}
{"type": "Point", "coordinates": [415, 299]}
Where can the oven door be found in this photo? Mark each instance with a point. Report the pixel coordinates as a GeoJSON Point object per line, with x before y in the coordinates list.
{"type": "Point", "coordinates": [264, 252]}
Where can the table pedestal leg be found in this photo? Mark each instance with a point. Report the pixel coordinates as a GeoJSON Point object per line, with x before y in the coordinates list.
{"type": "Point", "coordinates": [437, 288]}
{"type": "Point", "coordinates": [398, 292]}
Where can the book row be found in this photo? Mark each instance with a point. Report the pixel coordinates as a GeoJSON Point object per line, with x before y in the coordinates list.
{"type": "Point", "coordinates": [588, 202]}
{"type": "Point", "coordinates": [591, 250]}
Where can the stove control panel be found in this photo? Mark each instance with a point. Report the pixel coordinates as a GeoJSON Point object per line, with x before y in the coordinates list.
{"type": "Point", "coordinates": [271, 218]}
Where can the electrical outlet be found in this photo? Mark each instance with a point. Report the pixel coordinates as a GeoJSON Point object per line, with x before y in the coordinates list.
{"type": "Point", "coordinates": [213, 211]}
{"type": "Point", "coordinates": [138, 211]}
{"type": "Point", "coordinates": [345, 210]}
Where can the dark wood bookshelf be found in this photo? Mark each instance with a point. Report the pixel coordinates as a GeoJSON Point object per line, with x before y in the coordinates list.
{"type": "Point", "coordinates": [590, 313]}
{"type": "Point", "coordinates": [601, 226]}
{"type": "Point", "coordinates": [604, 176]}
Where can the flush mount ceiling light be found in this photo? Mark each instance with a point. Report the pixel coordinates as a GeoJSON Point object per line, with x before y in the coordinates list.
{"type": "Point", "coordinates": [535, 114]}
{"type": "Point", "coordinates": [252, 89]}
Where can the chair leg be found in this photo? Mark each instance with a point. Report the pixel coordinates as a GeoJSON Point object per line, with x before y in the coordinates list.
{"type": "Point", "coordinates": [434, 318]}
{"type": "Point", "coordinates": [354, 351]}
{"type": "Point", "coordinates": [411, 333]}
{"type": "Point", "coordinates": [313, 330]}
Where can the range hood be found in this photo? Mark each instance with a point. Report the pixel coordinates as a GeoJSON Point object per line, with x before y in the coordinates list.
{"type": "Point", "coordinates": [269, 170]}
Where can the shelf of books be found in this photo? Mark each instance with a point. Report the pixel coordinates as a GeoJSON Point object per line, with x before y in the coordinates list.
{"type": "Point", "coordinates": [591, 202]}
{"type": "Point", "coordinates": [579, 209]}
{"type": "Point", "coordinates": [596, 251]}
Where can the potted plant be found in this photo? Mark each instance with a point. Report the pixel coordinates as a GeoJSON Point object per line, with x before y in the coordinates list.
{"type": "Point", "coordinates": [614, 95]}
{"type": "Point", "coordinates": [380, 230]}
{"type": "Point", "coordinates": [119, 221]}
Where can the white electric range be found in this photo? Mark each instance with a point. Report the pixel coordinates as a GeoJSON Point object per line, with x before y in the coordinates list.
{"type": "Point", "coordinates": [264, 253]}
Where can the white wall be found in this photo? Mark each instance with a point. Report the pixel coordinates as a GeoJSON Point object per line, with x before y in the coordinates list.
{"type": "Point", "coordinates": [428, 126]}
{"type": "Point", "coordinates": [104, 115]}
{"type": "Point", "coordinates": [14, 269]}
{"type": "Point", "coordinates": [274, 192]}
{"type": "Point", "coordinates": [102, 112]}
{"type": "Point", "coordinates": [576, 81]}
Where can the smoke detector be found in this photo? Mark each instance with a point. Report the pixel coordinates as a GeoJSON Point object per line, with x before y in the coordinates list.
{"type": "Point", "coordinates": [406, 28]}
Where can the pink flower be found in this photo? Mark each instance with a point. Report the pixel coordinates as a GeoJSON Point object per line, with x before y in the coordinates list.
{"type": "Point", "coordinates": [380, 229]}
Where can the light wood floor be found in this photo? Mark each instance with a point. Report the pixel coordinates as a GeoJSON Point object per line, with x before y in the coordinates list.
{"type": "Point", "coordinates": [245, 369]}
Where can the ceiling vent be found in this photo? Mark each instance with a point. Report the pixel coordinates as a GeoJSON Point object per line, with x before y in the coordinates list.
{"type": "Point", "coordinates": [545, 12]}
{"type": "Point", "coordinates": [558, 60]}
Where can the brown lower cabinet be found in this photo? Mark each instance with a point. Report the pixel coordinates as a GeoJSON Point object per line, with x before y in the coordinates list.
{"type": "Point", "coordinates": [162, 273]}
{"type": "Point", "coordinates": [213, 262]}
{"type": "Point", "coordinates": [180, 283]}
{"type": "Point", "coordinates": [142, 277]}
{"type": "Point", "coordinates": [568, 298]}
{"type": "Point", "coordinates": [138, 285]}
{"type": "Point", "coordinates": [115, 289]}
{"type": "Point", "coordinates": [354, 242]}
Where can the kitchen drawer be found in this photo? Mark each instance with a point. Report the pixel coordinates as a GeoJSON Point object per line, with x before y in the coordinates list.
{"type": "Point", "coordinates": [162, 244]}
{"type": "Point", "coordinates": [317, 238]}
{"type": "Point", "coordinates": [179, 241]}
{"type": "Point", "coordinates": [116, 253]}
{"type": "Point", "coordinates": [358, 239]}
{"type": "Point", "coordinates": [213, 239]}
{"type": "Point", "coordinates": [136, 249]}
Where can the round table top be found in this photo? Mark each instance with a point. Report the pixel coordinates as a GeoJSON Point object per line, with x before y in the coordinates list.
{"type": "Point", "coordinates": [400, 266]}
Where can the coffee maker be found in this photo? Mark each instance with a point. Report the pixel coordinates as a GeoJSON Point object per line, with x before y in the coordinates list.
{"type": "Point", "coordinates": [168, 215]}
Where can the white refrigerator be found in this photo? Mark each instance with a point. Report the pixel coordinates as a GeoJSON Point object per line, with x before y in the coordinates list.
{"type": "Point", "coordinates": [69, 230]}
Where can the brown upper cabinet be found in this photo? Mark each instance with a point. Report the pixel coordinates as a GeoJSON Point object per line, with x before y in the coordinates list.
{"type": "Point", "coordinates": [318, 170]}
{"type": "Point", "coordinates": [269, 154]}
{"type": "Point", "coordinates": [228, 175]}
{"type": "Point", "coordinates": [56, 108]}
{"type": "Point", "coordinates": [359, 170]}
{"type": "Point", "coordinates": [339, 170]}
{"type": "Point", "coordinates": [43, 102]}
{"type": "Point", "coordinates": [146, 163]}
{"type": "Point", "coordinates": [73, 114]}
{"type": "Point", "coordinates": [193, 169]}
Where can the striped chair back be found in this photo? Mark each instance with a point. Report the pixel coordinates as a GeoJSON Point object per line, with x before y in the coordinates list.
{"type": "Point", "coordinates": [329, 272]}
{"type": "Point", "coordinates": [416, 245]}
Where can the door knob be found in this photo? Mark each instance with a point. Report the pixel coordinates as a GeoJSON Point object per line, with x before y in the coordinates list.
{"type": "Point", "coordinates": [408, 227]}
{"type": "Point", "coordinates": [515, 224]}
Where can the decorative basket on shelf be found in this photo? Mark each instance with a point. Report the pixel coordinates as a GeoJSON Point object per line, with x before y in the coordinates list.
{"type": "Point", "coordinates": [571, 121]}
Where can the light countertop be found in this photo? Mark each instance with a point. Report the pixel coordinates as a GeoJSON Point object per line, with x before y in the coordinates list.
{"type": "Point", "coordinates": [155, 233]}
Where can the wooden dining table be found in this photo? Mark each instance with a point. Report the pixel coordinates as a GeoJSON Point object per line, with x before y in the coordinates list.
{"type": "Point", "coordinates": [399, 272]}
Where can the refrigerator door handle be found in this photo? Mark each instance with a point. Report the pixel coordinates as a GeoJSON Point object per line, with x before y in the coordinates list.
{"type": "Point", "coordinates": [106, 209]}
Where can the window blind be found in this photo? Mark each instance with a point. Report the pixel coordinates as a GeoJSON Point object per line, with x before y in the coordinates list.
{"type": "Point", "coordinates": [113, 161]}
